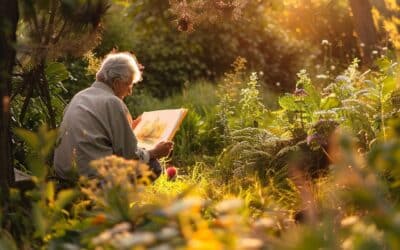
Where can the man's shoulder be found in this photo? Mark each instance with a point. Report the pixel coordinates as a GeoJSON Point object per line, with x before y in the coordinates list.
{"type": "Point", "coordinates": [115, 102]}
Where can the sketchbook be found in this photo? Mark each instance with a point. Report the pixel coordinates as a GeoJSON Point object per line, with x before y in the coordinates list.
{"type": "Point", "coordinates": [159, 125]}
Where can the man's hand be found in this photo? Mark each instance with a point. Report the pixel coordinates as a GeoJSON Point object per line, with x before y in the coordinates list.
{"type": "Point", "coordinates": [162, 149]}
{"type": "Point", "coordinates": [135, 122]}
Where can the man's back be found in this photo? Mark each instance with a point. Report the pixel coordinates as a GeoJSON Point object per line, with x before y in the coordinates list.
{"type": "Point", "coordinates": [94, 126]}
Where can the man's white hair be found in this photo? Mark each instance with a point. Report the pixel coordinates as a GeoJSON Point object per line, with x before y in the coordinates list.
{"type": "Point", "coordinates": [119, 66]}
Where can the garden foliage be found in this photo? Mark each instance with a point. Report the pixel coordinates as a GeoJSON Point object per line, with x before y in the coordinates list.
{"type": "Point", "coordinates": [326, 158]}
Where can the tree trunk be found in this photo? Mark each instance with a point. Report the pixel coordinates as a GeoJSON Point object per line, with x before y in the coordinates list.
{"type": "Point", "coordinates": [365, 29]}
{"type": "Point", "coordinates": [8, 27]}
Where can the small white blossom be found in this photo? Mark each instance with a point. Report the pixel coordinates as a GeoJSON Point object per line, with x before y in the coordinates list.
{"type": "Point", "coordinates": [229, 205]}
{"type": "Point", "coordinates": [348, 221]}
{"type": "Point", "coordinates": [265, 223]}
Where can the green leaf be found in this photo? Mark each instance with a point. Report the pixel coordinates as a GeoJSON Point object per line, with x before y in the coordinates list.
{"type": "Point", "coordinates": [38, 221]}
{"type": "Point", "coordinates": [64, 197]}
{"type": "Point", "coordinates": [50, 192]}
{"type": "Point", "coordinates": [56, 72]}
{"type": "Point", "coordinates": [288, 102]}
{"type": "Point", "coordinates": [37, 166]}
{"type": "Point", "coordinates": [313, 97]}
{"type": "Point", "coordinates": [330, 102]}
{"type": "Point", "coordinates": [384, 64]}
{"type": "Point", "coordinates": [49, 138]}
{"type": "Point", "coordinates": [29, 137]}
{"type": "Point", "coordinates": [388, 86]}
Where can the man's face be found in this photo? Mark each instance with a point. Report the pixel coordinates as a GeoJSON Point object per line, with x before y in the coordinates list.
{"type": "Point", "coordinates": [123, 89]}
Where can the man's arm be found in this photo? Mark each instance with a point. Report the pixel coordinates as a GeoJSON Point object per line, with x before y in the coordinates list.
{"type": "Point", "coordinates": [124, 142]}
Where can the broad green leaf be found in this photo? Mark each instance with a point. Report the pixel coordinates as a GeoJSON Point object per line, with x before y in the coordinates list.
{"type": "Point", "coordinates": [64, 197]}
{"type": "Point", "coordinates": [288, 102]}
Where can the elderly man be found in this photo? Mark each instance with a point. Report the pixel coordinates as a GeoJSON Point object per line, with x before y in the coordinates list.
{"type": "Point", "coordinates": [97, 123]}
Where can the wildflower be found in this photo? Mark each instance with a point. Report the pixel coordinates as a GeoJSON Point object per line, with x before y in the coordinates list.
{"type": "Point", "coordinates": [342, 78]}
{"type": "Point", "coordinates": [300, 92]}
{"type": "Point", "coordinates": [187, 204]}
{"type": "Point", "coordinates": [229, 205]}
{"type": "Point", "coordinates": [264, 223]}
{"type": "Point", "coordinates": [171, 172]}
{"type": "Point", "coordinates": [103, 237]}
{"type": "Point", "coordinates": [349, 221]}
{"type": "Point", "coordinates": [135, 239]}
{"type": "Point", "coordinates": [99, 219]}
{"type": "Point", "coordinates": [348, 243]}
{"type": "Point", "coordinates": [374, 52]}
{"type": "Point", "coordinates": [228, 221]}
{"type": "Point", "coordinates": [167, 233]}
{"type": "Point", "coordinates": [322, 76]}
{"type": "Point", "coordinates": [278, 84]}
{"type": "Point", "coordinates": [324, 42]}
{"type": "Point", "coordinates": [121, 227]}
{"type": "Point", "coordinates": [250, 243]}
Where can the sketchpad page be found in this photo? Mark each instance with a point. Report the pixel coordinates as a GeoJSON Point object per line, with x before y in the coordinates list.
{"type": "Point", "coordinates": [157, 126]}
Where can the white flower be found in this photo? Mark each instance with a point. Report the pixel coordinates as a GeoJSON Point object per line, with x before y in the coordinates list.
{"type": "Point", "coordinates": [324, 42]}
{"type": "Point", "coordinates": [135, 239]}
{"type": "Point", "coordinates": [342, 78]}
{"type": "Point", "coordinates": [349, 221]}
{"type": "Point", "coordinates": [322, 76]}
{"type": "Point", "coordinates": [167, 233]}
{"type": "Point", "coordinates": [249, 243]}
{"type": "Point", "coordinates": [103, 237]}
{"type": "Point", "coordinates": [184, 205]}
{"type": "Point", "coordinates": [121, 227]}
{"type": "Point", "coordinates": [265, 223]}
{"type": "Point", "coordinates": [229, 205]}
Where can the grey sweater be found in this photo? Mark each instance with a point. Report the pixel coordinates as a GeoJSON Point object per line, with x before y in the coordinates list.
{"type": "Point", "coordinates": [94, 125]}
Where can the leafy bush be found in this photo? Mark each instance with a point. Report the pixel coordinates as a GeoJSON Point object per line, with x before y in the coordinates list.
{"type": "Point", "coordinates": [299, 132]}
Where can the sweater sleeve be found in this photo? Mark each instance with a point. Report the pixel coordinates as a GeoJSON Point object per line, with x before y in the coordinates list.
{"type": "Point", "coordinates": [123, 140]}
